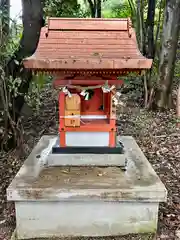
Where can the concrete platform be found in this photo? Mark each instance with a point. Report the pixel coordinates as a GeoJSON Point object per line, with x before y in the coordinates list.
{"type": "Point", "coordinates": [54, 201]}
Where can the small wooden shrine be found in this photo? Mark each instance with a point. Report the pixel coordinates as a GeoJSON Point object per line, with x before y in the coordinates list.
{"type": "Point", "coordinates": [86, 57]}
{"type": "Point", "coordinates": [86, 181]}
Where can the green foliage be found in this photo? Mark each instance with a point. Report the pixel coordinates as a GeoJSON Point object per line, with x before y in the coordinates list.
{"type": "Point", "coordinates": [121, 10]}
{"type": "Point", "coordinates": [64, 8]}
{"type": "Point", "coordinates": [10, 34]}
{"type": "Point", "coordinates": [33, 98]}
{"type": "Point", "coordinates": [177, 72]}
{"type": "Point", "coordinates": [13, 86]}
{"type": "Point", "coordinates": [10, 42]}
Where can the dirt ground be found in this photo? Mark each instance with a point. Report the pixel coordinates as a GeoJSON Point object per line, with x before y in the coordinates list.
{"type": "Point", "coordinates": [156, 134]}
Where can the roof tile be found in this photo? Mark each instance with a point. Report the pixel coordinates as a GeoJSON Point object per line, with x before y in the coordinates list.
{"type": "Point", "coordinates": [87, 44]}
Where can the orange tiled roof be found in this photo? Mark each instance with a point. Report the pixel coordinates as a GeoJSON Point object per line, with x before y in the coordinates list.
{"type": "Point", "coordinates": [87, 44]}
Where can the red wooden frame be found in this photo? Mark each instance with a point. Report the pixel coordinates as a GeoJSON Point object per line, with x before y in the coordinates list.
{"type": "Point", "coordinates": [102, 125]}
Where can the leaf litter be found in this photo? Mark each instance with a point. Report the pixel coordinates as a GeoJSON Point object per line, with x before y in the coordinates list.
{"type": "Point", "coordinates": [156, 134]}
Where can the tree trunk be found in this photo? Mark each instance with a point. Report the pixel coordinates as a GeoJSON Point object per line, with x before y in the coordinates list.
{"type": "Point", "coordinates": [95, 8]}
{"type": "Point", "coordinates": [138, 19]}
{"type": "Point", "coordinates": [171, 29]}
{"type": "Point", "coordinates": [98, 8]}
{"type": "Point", "coordinates": [92, 8]}
{"type": "Point", "coordinates": [32, 23]}
{"type": "Point", "coordinates": [150, 28]}
{"type": "Point", "coordinates": [156, 53]}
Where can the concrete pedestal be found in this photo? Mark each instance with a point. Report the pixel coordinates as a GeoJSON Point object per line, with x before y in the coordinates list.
{"type": "Point", "coordinates": [85, 200]}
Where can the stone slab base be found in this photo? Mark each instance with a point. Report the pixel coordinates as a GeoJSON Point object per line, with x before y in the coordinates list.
{"type": "Point", "coordinates": [65, 200]}
{"type": "Point", "coordinates": [138, 236]}
{"type": "Point", "coordinates": [87, 160]}
{"type": "Point", "coordinates": [95, 218]}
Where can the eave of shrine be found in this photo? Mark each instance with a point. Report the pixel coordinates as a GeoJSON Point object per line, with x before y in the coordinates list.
{"type": "Point", "coordinates": [88, 46]}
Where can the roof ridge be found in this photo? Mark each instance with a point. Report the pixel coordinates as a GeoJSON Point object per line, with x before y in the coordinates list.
{"type": "Point", "coordinates": [88, 24]}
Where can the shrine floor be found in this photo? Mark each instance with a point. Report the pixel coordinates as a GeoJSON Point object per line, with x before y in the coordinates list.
{"type": "Point", "coordinates": [155, 133]}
